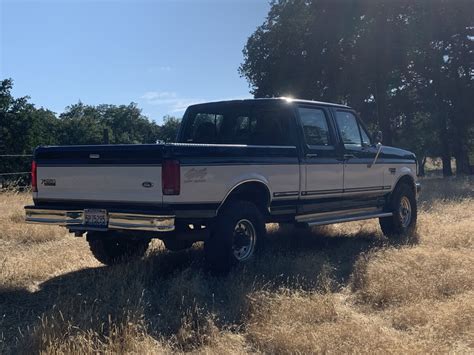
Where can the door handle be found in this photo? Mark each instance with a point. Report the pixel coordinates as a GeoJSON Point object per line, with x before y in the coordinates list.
{"type": "Point", "coordinates": [311, 155]}
{"type": "Point", "coordinates": [348, 156]}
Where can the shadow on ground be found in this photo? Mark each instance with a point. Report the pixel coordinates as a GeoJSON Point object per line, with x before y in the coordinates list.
{"type": "Point", "coordinates": [167, 289]}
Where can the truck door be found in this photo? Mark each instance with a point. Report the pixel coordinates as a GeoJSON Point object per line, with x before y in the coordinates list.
{"type": "Point", "coordinates": [322, 189]}
{"type": "Point", "coordinates": [363, 182]}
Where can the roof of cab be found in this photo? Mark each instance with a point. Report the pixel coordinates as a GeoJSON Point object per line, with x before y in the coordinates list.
{"type": "Point", "coordinates": [286, 99]}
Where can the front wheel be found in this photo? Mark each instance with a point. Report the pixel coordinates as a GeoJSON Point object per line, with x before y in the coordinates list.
{"type": "Point", "coordinates": [111, 249]}
{"type": "Point", "coordinates": [237, 235]}
{"type": "Point", "coordinates": [403, 206]}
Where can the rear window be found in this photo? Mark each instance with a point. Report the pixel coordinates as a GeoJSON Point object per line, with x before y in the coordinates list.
{"type": "Point", "coordinates": [237, 124]}
{"type": "Point", "coordinates": [206, 127]}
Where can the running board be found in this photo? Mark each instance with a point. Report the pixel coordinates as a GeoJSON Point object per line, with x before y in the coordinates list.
{"type": "Point", "coordinates": [322, 220]}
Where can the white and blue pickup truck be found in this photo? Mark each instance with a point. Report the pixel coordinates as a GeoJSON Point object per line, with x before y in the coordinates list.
{"type": "Point", "coordinates": [236, 166]}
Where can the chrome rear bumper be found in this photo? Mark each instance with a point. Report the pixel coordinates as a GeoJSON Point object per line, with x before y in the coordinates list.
{"type": "Point", "coordinates": [74, 219]}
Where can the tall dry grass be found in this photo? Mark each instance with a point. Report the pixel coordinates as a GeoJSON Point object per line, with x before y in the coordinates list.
{"type": "Point", "coordinates": [343, 288]}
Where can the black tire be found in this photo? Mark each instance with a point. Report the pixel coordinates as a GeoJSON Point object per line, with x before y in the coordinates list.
{"type": "Point", "coordinates": [400, 224]}
{"type": "Point", "coordinates": [110, 249]}
{"type": "Point", "coordinates": [177, 245]}
{"type": "Point", "coordinates": [231, 235]}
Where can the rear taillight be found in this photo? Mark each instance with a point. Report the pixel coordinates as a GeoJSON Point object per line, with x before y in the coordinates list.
{"type": "Point", "coordinates": [34, 184]}
{"type": "Point", "coordinates": [170, 177]}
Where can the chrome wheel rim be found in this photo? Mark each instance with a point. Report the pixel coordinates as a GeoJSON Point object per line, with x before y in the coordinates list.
{"type": "Point", "coordinates": [405, 211]}
{"type": "Point", "coordinates": [244, 239]}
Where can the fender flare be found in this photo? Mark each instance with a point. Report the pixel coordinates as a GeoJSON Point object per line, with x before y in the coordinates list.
{"type": "Point", "coordinates": [243, 182]}
{"type": "Point", "coordinates": [407, 174]}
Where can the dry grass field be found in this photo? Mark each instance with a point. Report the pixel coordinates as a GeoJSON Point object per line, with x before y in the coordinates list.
{"type": "Point", "coordinates": [342, 288]}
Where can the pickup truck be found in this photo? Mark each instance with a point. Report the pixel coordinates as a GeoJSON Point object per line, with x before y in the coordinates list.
{"type": "Point", "coordinates": [236, 166]}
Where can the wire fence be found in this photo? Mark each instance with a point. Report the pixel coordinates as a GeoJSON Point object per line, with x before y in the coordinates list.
{"type": "Point", "coordinates": [12, 174]}
{"type": "Point", "coordinates": [15, 173]}
{"type": "Point", "coordinates": [15, 155]}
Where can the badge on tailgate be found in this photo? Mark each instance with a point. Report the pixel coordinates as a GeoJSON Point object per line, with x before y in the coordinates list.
{"type": "Point", "coordinates": [48, 182]}
{"type": "Point", "coordinates": [96, 218]}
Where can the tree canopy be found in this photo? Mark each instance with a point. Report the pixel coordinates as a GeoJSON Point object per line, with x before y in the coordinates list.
{"type": "Point", "coordinates": [405, 65]}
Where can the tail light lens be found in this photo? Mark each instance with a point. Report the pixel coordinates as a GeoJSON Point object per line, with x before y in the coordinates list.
{"type": "Point", "coordinates": [34, 179]}
{"type": "Point", "coordinates": [171, 177]}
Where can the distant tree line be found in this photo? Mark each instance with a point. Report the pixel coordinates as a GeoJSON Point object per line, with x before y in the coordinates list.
{"type": "Point", "coordinates": [407, 66]}
{"type": "Point", "coordinates": [24, 126]}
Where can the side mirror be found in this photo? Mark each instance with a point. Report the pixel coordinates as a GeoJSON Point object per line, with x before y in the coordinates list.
{"type": "Point", "coordinates": [378, 137]}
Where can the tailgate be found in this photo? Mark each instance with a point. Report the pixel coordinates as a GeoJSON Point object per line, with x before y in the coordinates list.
{"type": "Point", "coordinates": [105, 173]}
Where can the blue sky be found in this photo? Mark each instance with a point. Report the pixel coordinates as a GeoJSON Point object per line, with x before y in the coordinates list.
{"type": "Point", "coordinates": [164, 55]}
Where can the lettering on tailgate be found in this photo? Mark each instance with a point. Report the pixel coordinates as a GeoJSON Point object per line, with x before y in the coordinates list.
{"type": "Point", "coordinates": [48, 182]}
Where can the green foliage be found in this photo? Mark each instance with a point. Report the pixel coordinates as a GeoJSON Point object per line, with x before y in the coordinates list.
{"type": "Point", "coordinates": [169, 129]}
{"type": "Point", "coordinates": [405, 65]}
{"type": "Point", "coordinates": [84, 124]}
{"type": "Point", "coordinates": [24, 127]}
{"type": "Point", "coordinates": [21, 124]}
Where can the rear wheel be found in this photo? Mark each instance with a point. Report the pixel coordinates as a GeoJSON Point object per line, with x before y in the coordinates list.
{"type": "Point", "coordinates": [236, 237]}
{"type": "Point", "coordinates": [110, 248]}
{"type": "Point", "coordinates": [404, 208]}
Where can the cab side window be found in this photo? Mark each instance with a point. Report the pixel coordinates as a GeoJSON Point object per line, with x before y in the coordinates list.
{"type": "Point", "coordinates": [315, 126]}
{"type": "Point", "coordinates": [270, 127]}
{"type": "Point", "coordinates": [349, 129]}
{"type": "Point", "coordinates": [229, 124]}
{"type": "Point", "coordinates": [239, 129]}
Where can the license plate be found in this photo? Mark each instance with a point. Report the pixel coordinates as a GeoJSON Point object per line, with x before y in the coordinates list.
{"type": "Point", "coordinates": [95, 218]}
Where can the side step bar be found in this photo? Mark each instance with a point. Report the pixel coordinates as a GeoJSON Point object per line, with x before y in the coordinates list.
{"type": "Point", "coordinates": [319, 219]}
{"type": "Point", "coordinates": [349, 219]}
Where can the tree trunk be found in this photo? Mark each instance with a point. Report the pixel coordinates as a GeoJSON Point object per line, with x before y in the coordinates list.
{"type": "Point", "coordinates": [382, 117]}
{"type": "Point", "coordinates": [445, 148]}
{"type": "Point", "coordinates": [462, 135]}
{"type": "Point", "coordinates": [447, 171]}
{"type": "Point", "coordinates": [462, 163]}
{"type": "Point", "coordinates": [383, 65]}
{"type": "Point", "coordinates": [421, 166]}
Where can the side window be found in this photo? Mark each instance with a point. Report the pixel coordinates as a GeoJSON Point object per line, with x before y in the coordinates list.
{"type": "Point", "coordinates": [315, 126]}
{"type": "Point", "coordinates": [349, 128]}
{"type": "Point", "coordinates": [238, 131]}
{"type": "Point", "coordinates": [270, 127]}
{"type": "Point", "coordinates": [205, 128]}
{"type": "Point", "coordinates": [238, 125]}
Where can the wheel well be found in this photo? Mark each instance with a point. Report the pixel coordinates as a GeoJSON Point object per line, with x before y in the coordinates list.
{"type": "Point", "coordinates": [252, 191]}
{"type": "Point", "coordinates": [407, 180]}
